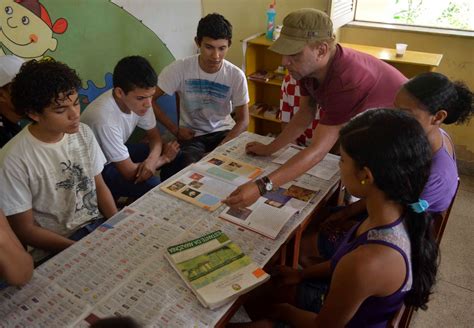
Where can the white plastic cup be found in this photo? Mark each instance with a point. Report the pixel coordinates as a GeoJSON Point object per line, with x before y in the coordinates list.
{"type": "Point", "coordinates": [401, 48]}
{"type": "Point", "coordinates": [276, 32]}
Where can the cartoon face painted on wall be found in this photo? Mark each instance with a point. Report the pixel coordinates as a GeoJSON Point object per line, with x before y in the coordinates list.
{"type": "Point", "coordinates": [26, 28]}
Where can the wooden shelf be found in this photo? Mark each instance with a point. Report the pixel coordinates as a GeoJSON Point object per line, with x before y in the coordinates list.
{"type": "Point", "coordinates": [430, 60]}
{"type": "Point", "coordinates": [261, 40]}
{"type": "Point", "coordinates": [261, 117]}
{"type": "Point", "coordinates": [275, 82]}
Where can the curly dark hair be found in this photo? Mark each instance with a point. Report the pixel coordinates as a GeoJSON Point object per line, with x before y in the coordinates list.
{"type": "Point", "coordinates": [40, 84]}
{"type": "Point", "coordinates": [214, 26]}
{"type": "Point", "coordinates": [134, 72]}
{"type": "Point", "coordinates": [393, 145]}
{"type": "Point", "coordinates": [436, 92]}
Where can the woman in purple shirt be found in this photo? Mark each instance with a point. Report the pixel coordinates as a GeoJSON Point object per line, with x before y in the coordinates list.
{"type": "Point", "coordinates": [433, 100]}
{"type": "Point", "coordinates": [385, 260]}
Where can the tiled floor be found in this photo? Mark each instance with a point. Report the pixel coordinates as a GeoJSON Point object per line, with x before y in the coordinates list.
{"type": "Point", "coordinates": [452, 304]}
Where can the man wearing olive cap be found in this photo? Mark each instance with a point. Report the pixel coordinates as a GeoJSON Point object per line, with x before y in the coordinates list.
{"type": "Point", "coordinates": [341, 82]}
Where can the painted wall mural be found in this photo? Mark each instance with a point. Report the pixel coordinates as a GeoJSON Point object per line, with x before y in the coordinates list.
{"type": "Point", "coordinates": [92, 35]}
{"type": "Point", "coordinates": [27, 29]}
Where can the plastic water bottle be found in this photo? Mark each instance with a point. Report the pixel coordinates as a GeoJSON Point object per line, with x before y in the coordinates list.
{"type": "Point", "coordinates": [271, 13]}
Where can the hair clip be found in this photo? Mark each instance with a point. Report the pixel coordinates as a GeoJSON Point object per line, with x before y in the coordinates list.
{"type": "Point", "coordinates": [420, 206]}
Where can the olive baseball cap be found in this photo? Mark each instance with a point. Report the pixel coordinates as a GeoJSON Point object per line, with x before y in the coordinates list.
{"type": "Point", "coordinates": [301, 26]}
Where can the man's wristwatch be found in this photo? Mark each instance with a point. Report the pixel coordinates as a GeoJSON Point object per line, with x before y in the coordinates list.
{"type": "Point", "coordinates": [264, 185]}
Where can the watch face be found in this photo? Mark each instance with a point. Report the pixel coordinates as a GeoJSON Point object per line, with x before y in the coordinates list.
{"type": "Point", "coordinates": [268, 186]}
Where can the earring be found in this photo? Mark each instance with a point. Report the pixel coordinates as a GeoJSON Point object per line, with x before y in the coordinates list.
{"type": "Point", "coordinates": [362, 182]}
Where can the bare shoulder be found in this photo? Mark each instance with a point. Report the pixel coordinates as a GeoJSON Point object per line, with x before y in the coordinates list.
{"type": "Point", "coordinates": [382, 266]}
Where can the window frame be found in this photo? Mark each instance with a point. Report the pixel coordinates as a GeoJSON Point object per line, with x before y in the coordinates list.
{"type": "Point", "coordinates": [342, 18]}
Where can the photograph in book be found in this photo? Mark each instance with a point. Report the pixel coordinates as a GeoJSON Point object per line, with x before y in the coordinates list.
{"type": "Point", "coordinates": [229, 169]}
{"type": "Point", "coordinates": [323, 170]}
{"type": "Point", "coordinates": [208, 182]}
{"type": "Point", "coordinates": [270, 212]}
{"type": "Point", "coordinates": [215, 268]}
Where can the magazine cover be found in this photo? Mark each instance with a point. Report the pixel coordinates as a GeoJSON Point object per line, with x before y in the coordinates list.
{"type": "Point", "coordinates": [215, 268]}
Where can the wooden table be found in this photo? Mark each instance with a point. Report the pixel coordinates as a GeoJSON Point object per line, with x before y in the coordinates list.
{"type": "Point", "coordinates": [120, 269]}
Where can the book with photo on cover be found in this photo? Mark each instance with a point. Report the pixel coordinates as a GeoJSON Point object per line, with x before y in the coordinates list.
{"type": "Point", "coordinates": [270, 212]}
{"type": "Point", "coordinates": [215, 268]}
{"type": "Point", "coordinates": [207, 183]}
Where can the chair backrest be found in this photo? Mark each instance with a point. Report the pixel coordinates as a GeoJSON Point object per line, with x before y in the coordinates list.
{"type": "Point", "coordinates": [402, 317]}
{"type": "Point", "coordinates": [441, 220]}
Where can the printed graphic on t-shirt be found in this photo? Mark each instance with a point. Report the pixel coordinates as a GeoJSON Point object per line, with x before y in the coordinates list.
{"type": "Point", "coordinates": [86, 199]}
{"type": "Point", "coordinates": [203, 100]}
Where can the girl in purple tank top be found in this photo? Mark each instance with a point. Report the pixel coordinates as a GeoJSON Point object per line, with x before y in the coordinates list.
{"type": "Point", "coordinates": [385, 260]}
{"type": "Point", "coordinates": [433, 100]}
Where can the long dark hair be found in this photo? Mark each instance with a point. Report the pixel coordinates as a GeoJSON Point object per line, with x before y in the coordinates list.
{"type": "Point", "coordinates": [436, 92]}
{"type": "Point", "coordinates": [393, 145]}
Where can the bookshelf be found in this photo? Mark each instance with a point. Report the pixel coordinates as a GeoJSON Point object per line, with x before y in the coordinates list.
{"type": "Point", "coordinates": [258, 58]}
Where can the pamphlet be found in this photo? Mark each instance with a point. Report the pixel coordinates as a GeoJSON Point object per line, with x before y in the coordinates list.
{"type": "Point", "coordinates": [207, 183]}
{"type": "Point", "coordinates": [215, 268]}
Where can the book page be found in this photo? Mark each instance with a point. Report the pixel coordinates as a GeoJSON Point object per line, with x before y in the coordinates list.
{"type": "Point", "coordinates": [323, 170]}
{"type": "Point", "coordinates": [228, 169]}
{"type": "Point", "coordinates": [196, 187]}
{"type": "Point", "coordinates": [271, 211]}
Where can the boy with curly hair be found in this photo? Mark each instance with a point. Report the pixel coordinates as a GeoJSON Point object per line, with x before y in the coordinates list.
{"type": "Point", "coordinates": [52, 189]}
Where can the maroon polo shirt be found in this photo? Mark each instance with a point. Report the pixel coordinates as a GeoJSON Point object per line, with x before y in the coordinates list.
{"type": "Point", "coordinates": [354, 83]}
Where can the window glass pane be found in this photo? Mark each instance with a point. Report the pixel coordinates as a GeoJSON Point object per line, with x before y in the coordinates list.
{"type": "Point", "coordinates": [453, 14]}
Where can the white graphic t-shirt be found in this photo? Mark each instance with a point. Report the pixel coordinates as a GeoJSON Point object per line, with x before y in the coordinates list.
{"type": "Point", "coordinates": [55, 180]}
{"type": "Point", "coordinates": [206, 100]}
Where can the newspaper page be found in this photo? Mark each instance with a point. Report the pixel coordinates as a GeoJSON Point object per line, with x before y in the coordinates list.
{"type": "Point", "coordinates": [325, 169]}
{"type": "Point", "coordinates": [119, 269]}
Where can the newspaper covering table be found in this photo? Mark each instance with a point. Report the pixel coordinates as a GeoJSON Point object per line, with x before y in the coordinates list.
{"type": "Point", "coordinates": [120, 268]}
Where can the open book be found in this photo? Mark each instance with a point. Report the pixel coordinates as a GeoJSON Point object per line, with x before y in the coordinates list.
{"type": "Point", "coordinates": [215, 268]}
{"type": "Point", "coordinates": [271, 211]}
{"type": "Point", "coordinates": [323, 170]}
{"type": "Point", "coordinates": [207, 183]}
